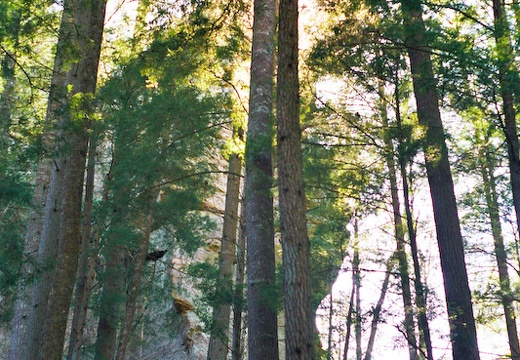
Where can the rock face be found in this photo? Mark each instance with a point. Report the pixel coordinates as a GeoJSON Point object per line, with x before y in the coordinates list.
{"type": "Point", "coordinates": [184, 338]}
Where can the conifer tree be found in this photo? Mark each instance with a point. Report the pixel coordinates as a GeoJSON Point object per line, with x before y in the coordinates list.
{"type": "Point", "coordinates": [261, 304]}
{"type": "Point", "coordinates": [449, 237]}
{"type": "Point", "coordinates": [299, 327]}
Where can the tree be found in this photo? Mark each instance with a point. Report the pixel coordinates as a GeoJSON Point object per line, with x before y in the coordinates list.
{"type": "Point", "coordinates": [218, 345]}
{"type": "Point", "coordinates": [61, 222]}
{"type": "Point", "coordinates": [261, 304]}
{"type": "Point", "coordinates": [449, 237]}
{"type": "Point", "coordinates": [293, 225]}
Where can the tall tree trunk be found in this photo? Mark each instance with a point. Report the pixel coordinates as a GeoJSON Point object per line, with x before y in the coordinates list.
{"type": "Point", "coordinates": [299, 318]}
{"type": "Point", "coordinates": [61, 226]}
{"type": "Point", "coordinates": [449, 238]}
{"type": "Point", "coordinates": [490, 193]}
{"type": "Point", "coordinates": [420, 295]}
{"type": "Point", "coordinates": [261, 306]}
{"type": "Point", "coordinates": [218, 345]}
{"type": "Point", "coordinates": [236, 345]}
{"type": "Point", "coordinates": [83, 287]}
{"type": "Point", "coordinates": [377, 309]}
{"type": "Point", "coordinates": [409, 323]}
{"type": "Point", "coordinates": [507, 74]}
{"type": "Point", "coordinates": [21, 332]}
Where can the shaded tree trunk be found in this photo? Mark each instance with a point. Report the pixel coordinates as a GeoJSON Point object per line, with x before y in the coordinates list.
{"type": "Point", "coordinates": [261, 302]}
{"type": "Point", "coordinates": [349, 316]}
{"type": "Point", "coordinates": [420, 294]}
{"type": "Point", "coordinates": [83, 285]}
{"type": "Point", "coordinates": [236, 345]}
{"type": "Point", "coordinates": [61, 225]}
{"type": "Point", "coordinates": [218, 345]}
{"type": "Point", "coordinates": [21, 332]}
{"type": "Point", "coordinates": [449, 238]}
{"type": "Point", "coordinates": [409, 323]}
{"type": "Point", "coordinates": [507, 75]}
{"type": "Point", "coordinates": [299, 317]}
{"type": "Point", "coordinates": [357, 281]}
{"type": "Point", "coordinates": [490, 193]}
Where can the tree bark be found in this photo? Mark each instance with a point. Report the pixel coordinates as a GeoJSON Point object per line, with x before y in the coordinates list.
{"type": "Point", "coordinates": [21, 333]}
{"type": "Point", "coordinates": [218, 345]}
{"type": "Point", "coordinates": [420, 295]}
{"type": "Point", "coordinates": [236, 345]}
{"type": "Point", "coordinates": [61, 225]}
{"type": "Point", "coordinates": [82, 286]}
{"type": "Point", "coordinates": [449, 238]}
{"type": "Point", "coordinates": [490, 193]}
{"type": "Point", "coordinates": [299, 318]}
{"type": "Point", "coordinates": [261, 304]}
{"type": "Point", "coordinates": [507, 74]}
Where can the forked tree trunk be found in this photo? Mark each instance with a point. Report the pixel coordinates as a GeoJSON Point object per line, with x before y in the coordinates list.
{"type": "Point", "coordinates": [219, 340]}
{"type": "Point", "coordinates": [261, 306]}
{"type": "Point", "coordinates": [449, 237]}
{"type": "Point", "coordinates": [61, 224]}
{"type": "Point", "coordinates": [299, 327]}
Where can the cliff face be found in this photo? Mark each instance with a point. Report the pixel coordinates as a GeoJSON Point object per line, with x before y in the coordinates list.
{"type": "Point", "coordinates": [175, 332]}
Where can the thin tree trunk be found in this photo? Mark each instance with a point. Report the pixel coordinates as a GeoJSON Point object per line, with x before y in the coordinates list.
{"type": "Point", "coordinates": [299, 327]}
{"type": "Point", "coordinates": [420, 295]}
{"type": "Point", "coordinates": [349, 316]}
{"type": "Point", "coordinates": [331, 313]}
{"type": "Point", "coordinates": [506, 78]}
{"type": "Point", "coordinates": [135, 282]}
{"type": "Point", "coordinates": [490, 193]}
{"type": "Point", "coordinates": [236, 345]}
{"type": "Point", "coordinates": [218, 344]}
{"type": "Point", "coordinates": [377, 309]}
{"type": "Point", "coordinates": [409, 323]}
{"type": "Point", "coordinates": [261, 306]}
{"type": "Point", "coordinates": [357, 282]}
{"type": "Point", "coordinates": [449, 238]}
{"type": "Point", "coordinates": [82, 287]}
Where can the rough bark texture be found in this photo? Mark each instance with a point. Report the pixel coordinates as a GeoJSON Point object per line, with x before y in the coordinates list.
{"type": "Point", "coordinates": [506, 78]}
{"type": "Point", "coordinates": [24, 311]}
{"type": "Point", "coordinates": [293, 224]}
{"type": "Point", "coordinates": [261, 305]}
{"type": "Point", "coordinates": [218, 344]}
{"type": "Point", "coordinates": [490, 193]}
{"type": "Point", "coordinates": [59, 240]}
{"type": "Point", "coordinates": [449, 238]}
